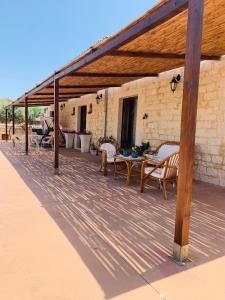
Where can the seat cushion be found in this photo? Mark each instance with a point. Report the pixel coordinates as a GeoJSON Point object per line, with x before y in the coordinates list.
{"type": "Point", "coordinates": [110, 149]}
{"type": "Point", "coordinates": [110, 160]}
{"type": "Point", "coordinates": [166, 150]}
{"type": "Point", "coordinates": [154, 158]}
{"type": "Point", "coordinates": [158, 173]}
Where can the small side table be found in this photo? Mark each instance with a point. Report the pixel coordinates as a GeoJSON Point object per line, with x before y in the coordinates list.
{"type": "Point", "coordinates": [130, 163]}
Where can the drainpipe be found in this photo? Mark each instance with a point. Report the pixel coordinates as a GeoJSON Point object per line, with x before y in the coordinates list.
{"type": "Point", "coordinates": [106, 110]}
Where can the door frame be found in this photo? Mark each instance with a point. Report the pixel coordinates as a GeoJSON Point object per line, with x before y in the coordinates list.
{"type": "Point", "coordinates": [79, 116]}
{"type": "Point", "coordinates": [120, 117]}
{"type": "Point", "coordinates": [77, 139]}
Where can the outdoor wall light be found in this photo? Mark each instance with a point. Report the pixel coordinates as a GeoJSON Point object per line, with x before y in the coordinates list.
{"type": "Point", "coordinates": [62, 106]}
{"type": "Point", "coordinates": [145, 116]}
{"type": "Point", "coordinates": [174, 82]}
{"type": "Point", "coordinates": [99, 98]}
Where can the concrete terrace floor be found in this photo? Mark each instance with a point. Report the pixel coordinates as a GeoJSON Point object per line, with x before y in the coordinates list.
{"type": "Point", "coordinates": [82, 236]}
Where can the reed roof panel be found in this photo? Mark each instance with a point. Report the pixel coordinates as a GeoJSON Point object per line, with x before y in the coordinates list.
{"type": "Point", "coordinates": [168, 37]}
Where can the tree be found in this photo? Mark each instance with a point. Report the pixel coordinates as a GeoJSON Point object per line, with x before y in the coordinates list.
{"type": "Point", "coordinates": [34, 114]}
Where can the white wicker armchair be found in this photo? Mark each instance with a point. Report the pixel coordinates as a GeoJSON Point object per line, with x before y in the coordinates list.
{"type": "Point", "coordinates": [108, 150]}
{"type": "Point", "coordinates": [162, 170]}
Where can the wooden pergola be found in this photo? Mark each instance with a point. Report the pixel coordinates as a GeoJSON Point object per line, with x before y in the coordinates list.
{"type": "Point", "coordinates": [172, 34]}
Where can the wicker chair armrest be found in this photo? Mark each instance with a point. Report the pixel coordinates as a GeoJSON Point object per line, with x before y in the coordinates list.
{"type": "Point", "coordinates": [153, 169]}
{"type": "Point", "coordinates": [152, 162]}
{"type": "Point", "coordinates": [149, 150]}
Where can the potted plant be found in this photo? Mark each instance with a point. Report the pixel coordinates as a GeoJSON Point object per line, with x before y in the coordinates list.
{"type": "Point", "coordinates": [93, 149]}
{"type": "Point", "coordinates": [135, 152]}
{"type": "Point", "coordinates": [126, 152]}
{"type": "Point", "coordinates": [139, 150]}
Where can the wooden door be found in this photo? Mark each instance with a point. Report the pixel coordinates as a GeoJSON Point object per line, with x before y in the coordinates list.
{"type": "Point", "coordinates": [128, 127]}
{"type": "Point", "coordinates": [83, 118]}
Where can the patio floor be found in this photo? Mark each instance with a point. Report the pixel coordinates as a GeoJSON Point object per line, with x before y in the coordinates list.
{"type": "Point", "coordinates": [81, 235]}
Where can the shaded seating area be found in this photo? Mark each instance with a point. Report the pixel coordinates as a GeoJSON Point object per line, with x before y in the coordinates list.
{"type": "Point", "coordinates": [164, 171]}
{"type": "Point", "coordinates": [107, 148]}
{"type": "Point", "coordinates": [192, 31]}
{"type": "Point", "coordinates": [110, 223]}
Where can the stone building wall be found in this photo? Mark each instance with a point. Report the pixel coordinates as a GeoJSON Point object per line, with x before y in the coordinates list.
{"type": "Point", "coordinates": [164, 114]}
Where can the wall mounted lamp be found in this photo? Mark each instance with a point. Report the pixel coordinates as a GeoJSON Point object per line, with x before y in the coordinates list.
{"type": "Point", "coordinates": [174, 82]}
{"type": "Point", "coordinates": [145, 116]}
{"type": "Point", "coordinates": [99, 98]}
{"type": "Point", "coordinates": [62, 106]}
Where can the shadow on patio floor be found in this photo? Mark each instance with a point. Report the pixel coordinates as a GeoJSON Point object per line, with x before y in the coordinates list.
{"type": "Point", "coordinates": [109, 223]}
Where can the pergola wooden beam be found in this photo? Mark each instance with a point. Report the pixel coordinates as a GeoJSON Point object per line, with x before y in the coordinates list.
{"type": "Point", "coordinates": [63, 93]}
{"type": "Point", "coordinates": [13, 119]}
{"type": "Point", "coordinates": [51, 98]}
{"type": "Point", "coordinates": [156, 18]}
{"type": "Point", "coordinates": [140, 54]}
{"type": "Point", "coordinates": [159, 16]}
{"type": "Point", "coordinates": [6, 124]}
{"type": "Point", "coordinates": [35, 104]}
{"type": "Point", "coordinates": [114, 75]}
{"type": "Point", "coordinates": [41, 103]}
{"type": "Point", "coordinates": [188, 128]}
{"type": "Point", "coordinates": [96, 86]}
{"type": "Point", "coordinates": [26, 124]}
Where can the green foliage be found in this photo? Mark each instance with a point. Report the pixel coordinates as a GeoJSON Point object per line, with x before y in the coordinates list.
{"type": "Point", "coordinates": [140, 149]}
{"type": "Point", "coordinates": [106, 139]}
{"type": "Point", "coordinates": [34, 114]}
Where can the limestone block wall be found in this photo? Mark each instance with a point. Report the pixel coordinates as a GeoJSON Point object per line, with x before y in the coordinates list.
{"type": "Point", "coordinates": [164, 114]}
{"type": "Point", "coordinates": [95, 119]}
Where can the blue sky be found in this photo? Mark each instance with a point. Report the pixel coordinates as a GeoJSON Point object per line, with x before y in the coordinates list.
{"type": "Point", "coordinates": [38, 37]}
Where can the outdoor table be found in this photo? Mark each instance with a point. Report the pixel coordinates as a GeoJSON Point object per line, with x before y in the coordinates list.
{"type": "Point", "coordinates": [130, 163]}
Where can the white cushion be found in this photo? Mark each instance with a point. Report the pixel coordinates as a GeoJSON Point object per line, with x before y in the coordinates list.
{"type": "Point", "coordinates": [154, 158]}
{"type": "Point", "coordinates": [167, 150]}
{"type": "Point", "coordinates": [110, 149]}
{"type": "Point", "coordinates": [158, 173]}
{"type": "Point", "coordinates": [111, 160]}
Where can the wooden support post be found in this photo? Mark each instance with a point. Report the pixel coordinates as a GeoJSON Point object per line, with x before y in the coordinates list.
{"type": "Point", "coordinates": [13, 119]}
{"type": "Point", "coordinates": [26, 124]}
{"type": "Point", "coordinates": [188, 128]}
{"type": "Point", "coordinates": [6, 124]}
{"type": "Point", "coordinates": [56, 126]}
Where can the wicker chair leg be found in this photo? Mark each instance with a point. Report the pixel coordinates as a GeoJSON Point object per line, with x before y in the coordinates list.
{"type": "Point", "coordinates": [142, 185]}
{"type": "Point", "coordinates": [104, 163]}
{"type": "Point", "coordinates": [105, 170]}
{"type": "Point", "coordinates": [164, 190]}
{"type": "Point", "coordinates": [160, 185]}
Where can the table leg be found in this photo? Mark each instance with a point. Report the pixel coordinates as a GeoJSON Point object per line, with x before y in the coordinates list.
{"type": "Point", "coordinates": [129, 170]}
